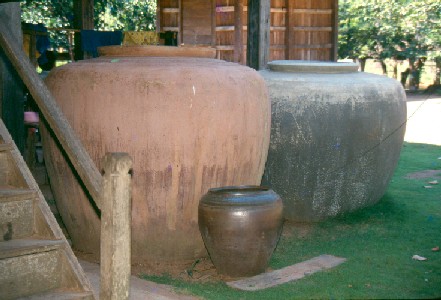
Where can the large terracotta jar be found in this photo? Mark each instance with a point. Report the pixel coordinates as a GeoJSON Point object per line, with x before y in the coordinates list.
{"type": "Point", "coordinates": [336, 136]}
{"type": "Point", "coordinates": [189, 124]}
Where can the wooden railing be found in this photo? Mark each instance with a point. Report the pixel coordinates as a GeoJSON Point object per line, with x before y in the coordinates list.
{"type": "Point", "coordinates": [111, 194]}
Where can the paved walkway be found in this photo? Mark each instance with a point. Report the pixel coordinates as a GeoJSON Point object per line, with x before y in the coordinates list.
{"type": "Point", "coordinates": [139, 289]}
{"type": "Point", "coordinates": [423, 119]}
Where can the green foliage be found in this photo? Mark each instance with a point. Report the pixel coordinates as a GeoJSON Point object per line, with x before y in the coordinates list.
{"type": "Point", "coordinates": [133, 15]}
{"type": "Point", "coordinates": [136, 15]}
{"type": "Point", "coordinates": [51, 13]}
{"type": "Point", "coordinates": [382, 29]}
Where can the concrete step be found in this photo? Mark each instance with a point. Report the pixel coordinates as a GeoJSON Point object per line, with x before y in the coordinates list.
{"type": "Point", "coordinates": [60, 294]}
{"type": "Point", "coordinates": [16, 213]}
{"type": "Point", "coordinates": [36, 262]}
{"type": "Point", "coordinates": [29, 267]}
{"type": "Point", "coordinates": [10, 175]}
{"type": "Point", "coordinates": [23, 247]}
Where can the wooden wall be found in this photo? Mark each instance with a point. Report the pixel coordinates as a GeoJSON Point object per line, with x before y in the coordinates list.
{"type": "Point", "coordinates": [300, 29]}
{"type": "Point", "coordinates": [196, 22]}
{"type": "Point", "coordinates": [169, 17]}
{"type": "Point", "coordinates": [312, 29]}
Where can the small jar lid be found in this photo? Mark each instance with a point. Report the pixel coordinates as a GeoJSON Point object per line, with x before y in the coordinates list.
{"type": "Point", "coordinates": [308, 66]}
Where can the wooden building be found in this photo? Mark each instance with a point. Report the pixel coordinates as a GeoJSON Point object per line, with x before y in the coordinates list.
{"type": "Point", "coordinates": [299, 29]}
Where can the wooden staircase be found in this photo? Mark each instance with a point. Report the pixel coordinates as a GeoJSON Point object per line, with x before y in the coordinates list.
{"type": "Point", "coordinates": [36, 261]}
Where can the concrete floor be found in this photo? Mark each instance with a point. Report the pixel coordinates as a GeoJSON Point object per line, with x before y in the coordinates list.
{"type": "Point", "coordinates": [423, 119]}
{"type": "Point", "coordinates": [140, 289]}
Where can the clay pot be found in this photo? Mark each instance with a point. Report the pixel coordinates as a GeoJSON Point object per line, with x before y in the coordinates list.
{"type": "Point", "coordinates": [189, 124]}
{"type": "Point", "coordinates": [336, 136]}
{"type": "Point", "coordinates": [240, 227]}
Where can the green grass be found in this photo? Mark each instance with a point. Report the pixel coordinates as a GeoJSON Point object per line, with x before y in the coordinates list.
{"type": "Point", "coordinates": [378, 242]}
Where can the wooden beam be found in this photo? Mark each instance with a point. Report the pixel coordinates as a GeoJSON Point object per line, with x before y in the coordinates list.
{"type": "Point", "coordinates": [83, 19]}
{"type": "Point", "coordinates": [238, 32]}
{"type": "Point", "coordinates": [78, 156]}
{"type": "Point", "coordinates": [289, 25]}
{"type": "Point", "coordinates": [175, 29]}
{"type": "Point", "coordinates": [228, 28]}
{"type": "Point", "coordinates": [258, 41]}
{"type": "Point", "coordinates": [334, 49]}
{"type": "Point", "coordinates": [225, 47]}
{"type": "Point", "coordinates": [277, 28]}
{"type": "Point", "coordinates": [245, 8]}
{"type": "Point", "coordinates": [287, 274]}
{"type": "Point", "coordinates": [213, 23]}
{"type": "Point", "coordinates": [158, 16]}
{"type": "Point", "coordinates": [170, 10]}
{"type": "Point", "coordinates": [313, 11]}
{"type": "Point", "coordinates": [312, 28]}
{"type": "Point", "coordinates": [180, 26]}
{"type": "Point", "coordinates": [11, 86]}
{"type": "Point", "coordinates": [312, 46]}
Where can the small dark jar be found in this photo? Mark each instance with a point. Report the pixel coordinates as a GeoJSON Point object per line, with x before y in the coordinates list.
{"type": "Point", "coordinates": [240, 226]}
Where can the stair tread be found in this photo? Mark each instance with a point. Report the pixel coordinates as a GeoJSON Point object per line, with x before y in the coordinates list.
{"type": "Point", "coordinates": [9, 193]}
{"type": "Point", "coordinates": [60, 294]}
{"type": "Point", "coordinates": [21, 247]}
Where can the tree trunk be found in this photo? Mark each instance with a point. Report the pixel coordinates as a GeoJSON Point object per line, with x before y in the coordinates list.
{"type": "Point", "coordinates": [412, 74]}
{"type": "Point", "coordinates": [383, 67]}
{"type": "Point", "coordinates": [362, 63]}
{"type": "Point", "coordinates": [437, 71]}
{"type": "Point", "coordinates": [395, 66]}
{"type": "Point", "coordinates": [415, 73]}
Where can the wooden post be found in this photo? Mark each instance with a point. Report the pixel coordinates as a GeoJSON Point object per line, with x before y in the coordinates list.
{"type": "Point", "coordinates": [258, 41]}
{"type": "Point", "coordinates": [334, 49]}
{"type": "Point", "coordinates": [115, 227]}
{"type": "Point", "coordinates": [78, 156]}
{"type": "Point", "coordinates": [238, 31]}
{"type": "Point", "coordinates": [83, 19]}
{"type": "Point", "coordinates": [288, 26]}
{"type": "Point", "coordinates": [213, 24]}
{"type": "Point", "coordinates": [33, 48]}
{"type": "Point", "coordinates": [180, 21]}
{"type": "Point", "coordinates": [11, 86]}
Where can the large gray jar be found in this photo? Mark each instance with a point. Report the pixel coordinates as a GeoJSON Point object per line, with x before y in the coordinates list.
{"type": "Point", "coordinates": [336, 136]}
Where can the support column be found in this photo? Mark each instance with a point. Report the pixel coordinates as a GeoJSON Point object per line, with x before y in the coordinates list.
{"type": "Point", "coordinates": [334, 50]}
{"type": "Point", "coordinates": [83, 19]}
{"type": "Point", "coordinates": [116, 224]}
{"type": "Point", "coordinates": [258, 42]}
{"type": "Point", "coordinates": [11, 87]}
{"type": "Point", "coordinates": [238, 31]}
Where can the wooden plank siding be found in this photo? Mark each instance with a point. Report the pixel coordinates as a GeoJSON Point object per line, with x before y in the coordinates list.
{"type": "Point", "coordinates": [312, 25]}
{"type": "Point", "coordinates": [299, 29]}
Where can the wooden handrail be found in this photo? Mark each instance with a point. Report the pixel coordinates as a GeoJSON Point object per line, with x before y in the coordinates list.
{"type": "Point", "coordinates": [79, 157]}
